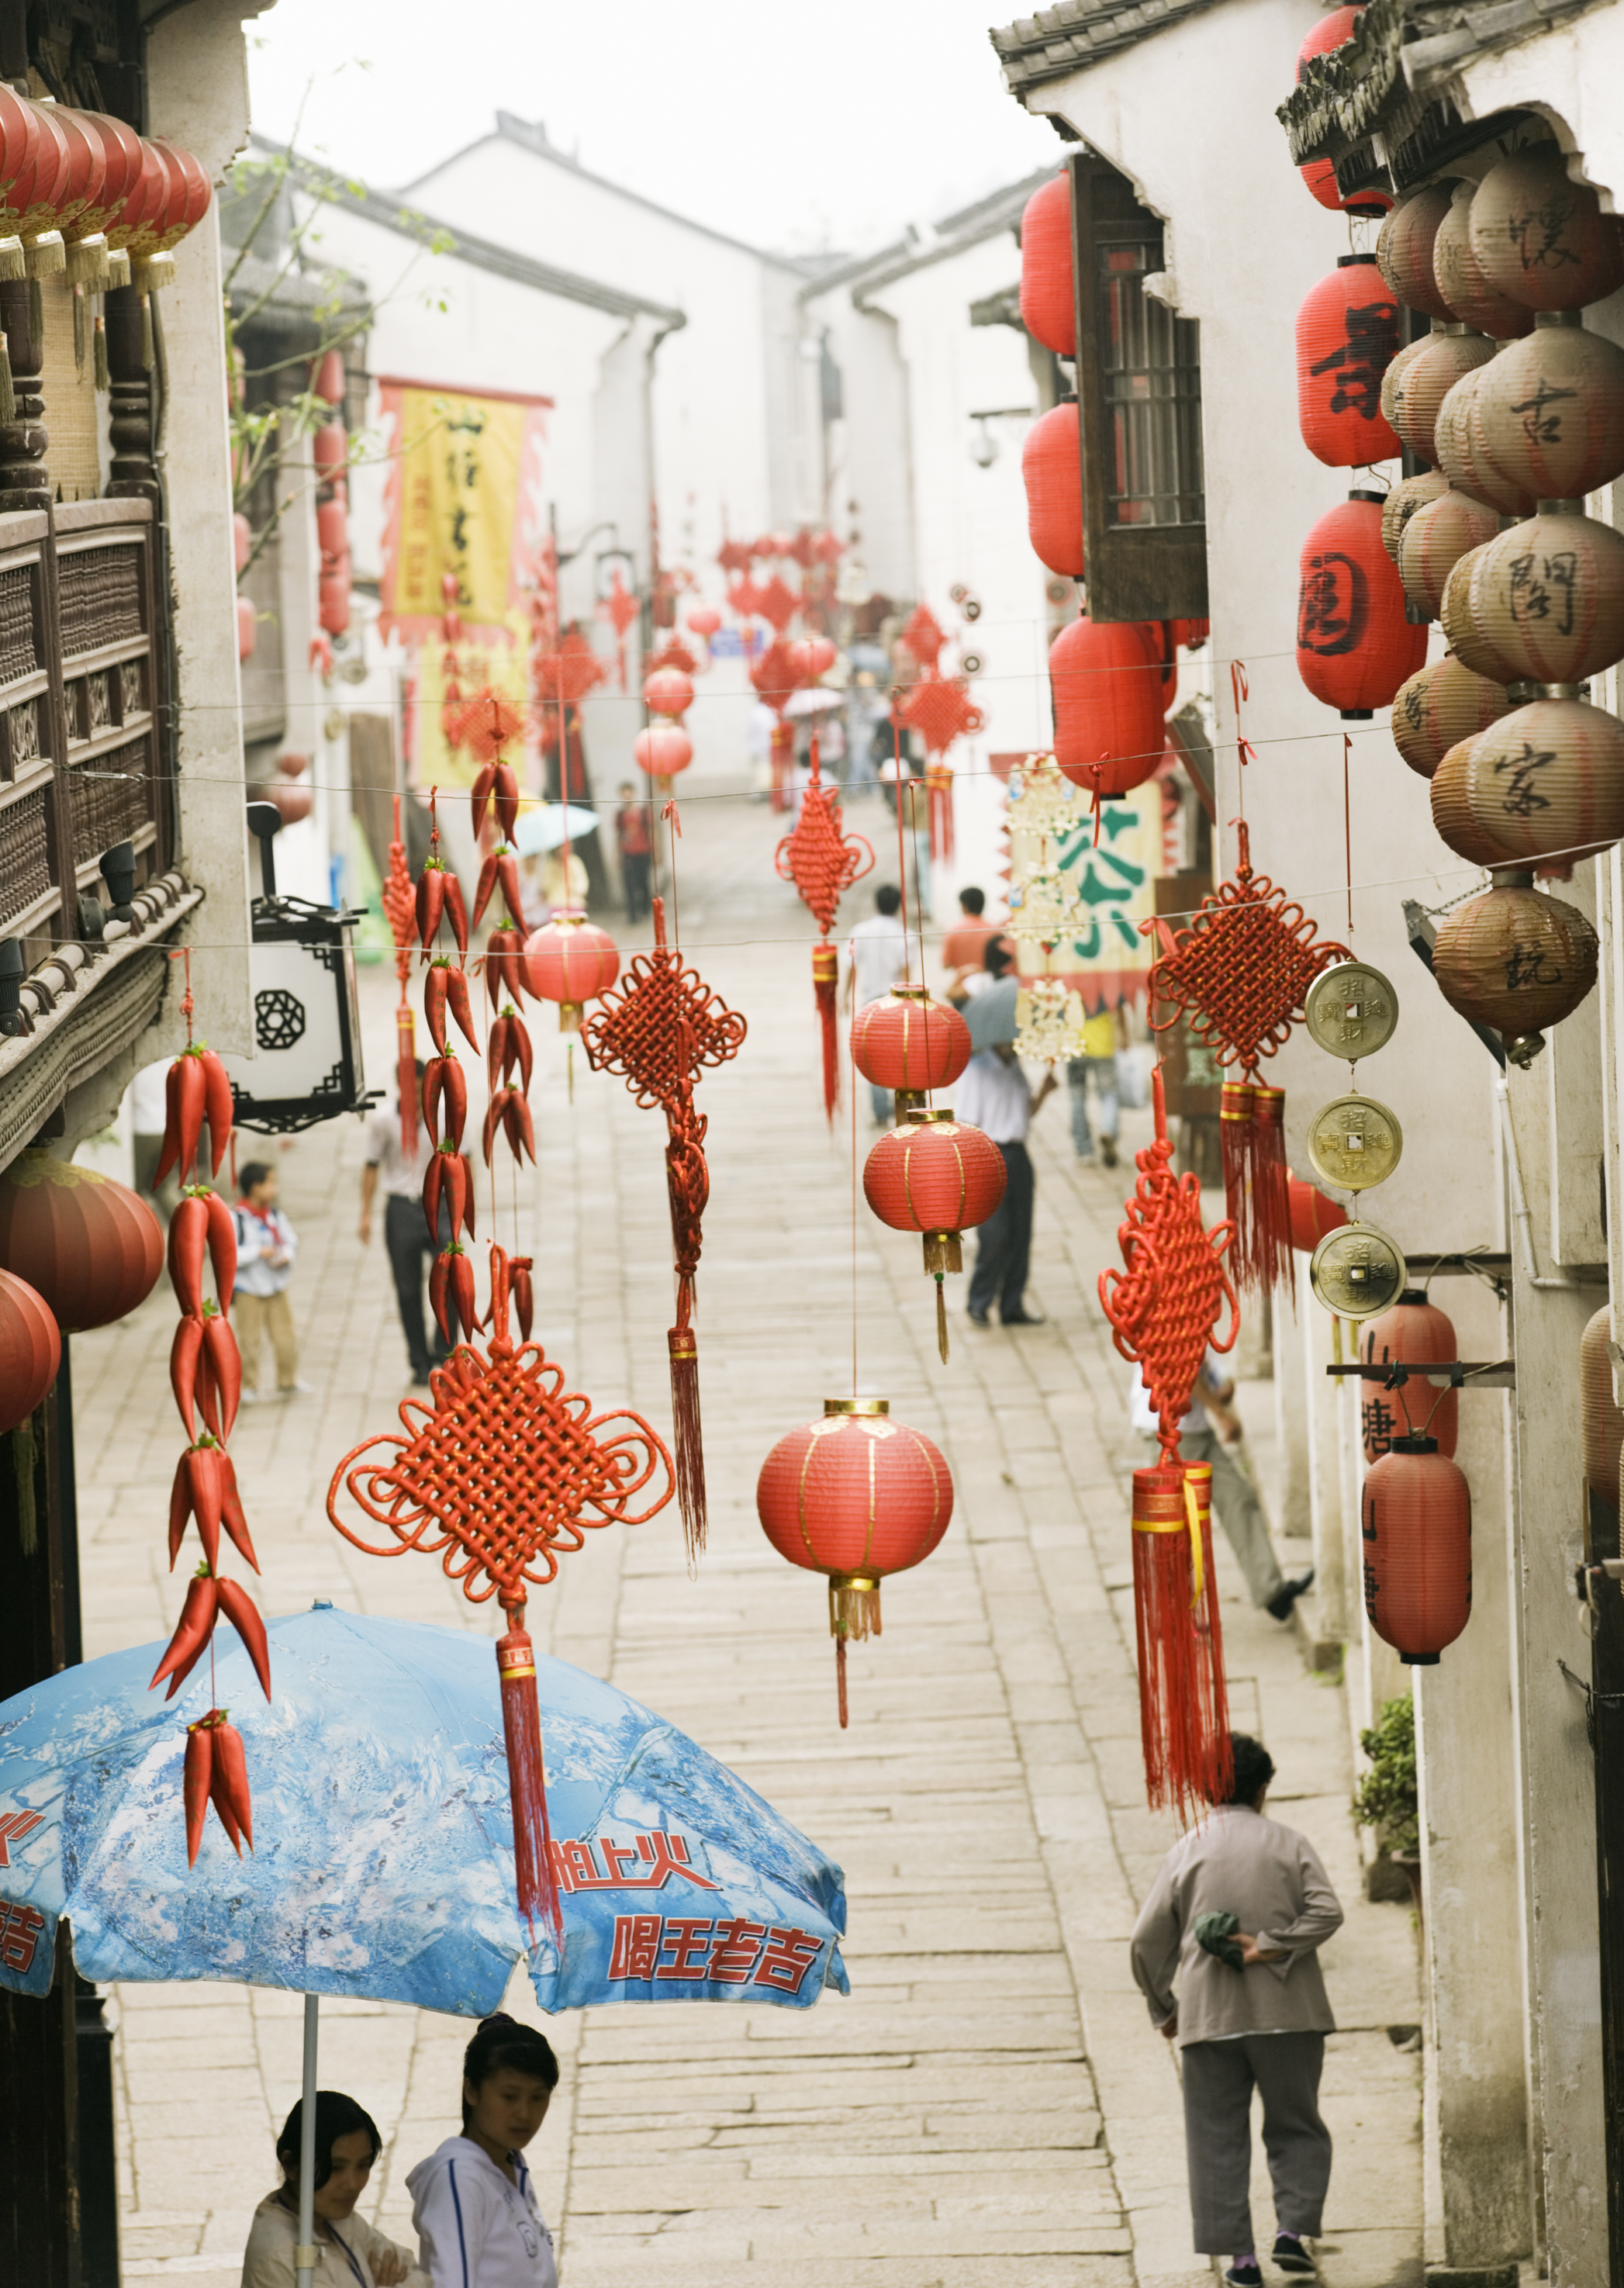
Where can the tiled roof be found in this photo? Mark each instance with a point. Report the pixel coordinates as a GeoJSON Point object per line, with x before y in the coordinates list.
{"type": "Point", "coordinates": [1077, 33]}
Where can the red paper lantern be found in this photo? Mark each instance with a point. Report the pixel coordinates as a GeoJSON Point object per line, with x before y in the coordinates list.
{"type": "Point", "coordinates": [668, 692]}
{"type": "Point", "coordinates": [1411, 1333]}
{"type": "Point", "coordinates": [1417, 1533]}
{"type": "Point", "coordinates": [330, 450]}
{"type": "Point", "coordinates": [90, 1249]}
{"type": "Point", "coordinates": [663, 751]}
{"type": "Point", "coordinates": [938, 1177]}
{"type": "Point", "coordinates": [1347, 337]}
{"type": "Point", "coordinates": [1106, 678]}
{"type": "Point", "coordinates": [332, 600]}
{"type": "Point", "coordinates": [1313, 1213]}
{"type": "Point", "coordinates": [30, 1350]}
{"type": "Point", "coordinates": [1354, 645]}
{"type": "Point", "coordinates": [704, 620]}
{"type": "Point", "coordinates": [1048, 308]}
{"type": "Point", "coordinates": [1542, 239]}
{"type": "Point", "coordinates": [908, 1043]}
{"type": "Point", "coordinates": [1331, 32]}
{"type": "Point", "coordinates": [326, 382]}
{"type": "Point", "coordinates": [1051, 466]}
{"type": "Point", "coordinates": [571, 961]}
{"type": "Point", "coordinates": [856, 1497]}
{"type": "Point", "coordinates": [246, 617]}
{"type": "Point", "coordinates": [243, 541]}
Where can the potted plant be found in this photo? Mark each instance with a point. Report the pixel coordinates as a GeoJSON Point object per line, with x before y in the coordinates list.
{"type": "Point", "coordinates": [1388, 1796]}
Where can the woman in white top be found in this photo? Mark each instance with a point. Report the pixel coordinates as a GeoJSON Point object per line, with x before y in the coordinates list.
{"type": "Point", "coordinates": [471, 2201]}
{"type": "Point", "coordinates": [349, 2253]}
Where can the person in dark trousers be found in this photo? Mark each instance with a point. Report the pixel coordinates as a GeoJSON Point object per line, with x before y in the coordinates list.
{"type": "Point", "coordinates": [406, 1234]}
{"type": "Point", "coordinates": [634, 844]}
{"type": "Point", "coordinates": [994, 1096]}
{"type": "Point", "coordinates": [1237, 1914]}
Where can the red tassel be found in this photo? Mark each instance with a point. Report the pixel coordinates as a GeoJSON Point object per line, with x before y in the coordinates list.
{"type": "Point", "coordinates": [1238, 1134]}
{"type": "Point", "coordinates": [1271, 1190]}
{"type": "Point", "coordinates": [941, 786]}
{"type": "Point", "coordinates": [840, 1681]}
{"type": "Point", "coordinates": [826, 976]}
{"type": "Point", "coordinates": [688, 1442]}
{"type": "Point", "coordinates": [538, 1894]}
{"type": "Point", "coordinates": [1183, 1706]}
{"type": "Point", "coordinates": [406, 1078]}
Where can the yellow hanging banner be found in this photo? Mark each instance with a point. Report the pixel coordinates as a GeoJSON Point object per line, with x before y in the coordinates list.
{"type": "Point", "coordinates": [464, 505]}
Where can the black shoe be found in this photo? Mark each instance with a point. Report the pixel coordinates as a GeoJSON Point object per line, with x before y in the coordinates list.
{"type": "Point", "coordinates": [1108, 1150]}
{"type": "Point", "coordinates": [1244, 2276]}
{"type": "Point", "coordinates": [1290, 2255]}
{"type": "Point", "coordinates": [977, 1318]}
{"type": "Point", "coordinates": [1279, 1608]}
{"type": "Point", "coordinates": [1023, 1319]}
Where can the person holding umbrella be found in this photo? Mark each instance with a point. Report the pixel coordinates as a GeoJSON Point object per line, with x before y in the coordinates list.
{"type": "Point", "coordinates": [350, 2253]}
{"type": "Point", "coordinates": [995, 1097]}
{"type": "Point", "coordinates": [472, 2202]}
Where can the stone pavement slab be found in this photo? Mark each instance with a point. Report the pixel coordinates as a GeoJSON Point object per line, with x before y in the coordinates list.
{"type": "Point", "coordinates": [990, 2108]}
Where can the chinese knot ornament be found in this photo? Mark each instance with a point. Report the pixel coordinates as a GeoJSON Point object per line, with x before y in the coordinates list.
{"type": "Point", "coordinates": [855, 1496]}
{"type": "Point", "coordinates": [940, 1177]}
{"type": "Point", "coordinates": [658, 1029]}
{"type": "Point", "coordinates": [1164, 1306]}
{"type": "Point", "coordinates": [1240, 972]}
{"type": "Point", "coordinates": [823, 862]}
{"type": "Point", "coordinates": [502, 1475]}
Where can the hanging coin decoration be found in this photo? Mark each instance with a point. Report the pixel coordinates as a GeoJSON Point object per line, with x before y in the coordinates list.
{"type": "Point", "coordinates": [1355, 1142]}
{"type": "Point", "coordinates": [1352, 1011]}
{"type": "Point", "coordinates": [1357, 1271]}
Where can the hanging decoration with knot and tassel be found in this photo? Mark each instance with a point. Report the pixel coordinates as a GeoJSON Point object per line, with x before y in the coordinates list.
{"type": "Point", "coordinates": [1044, 907]}
{"type": "Point", "coordinates": [823, 862]}
{"type": "Point", "coordinates": [658, 1028]}
{"type": "Point", "coordinates": [940, 709]}
{"type": "Point", "coordinates": [1240, 973]}
{"type": "Point", "coordinates": [500, 1476]}
{"type": "Point", "coordinates": [1164, 1306]}
{"type": "Point", "coordinates": [400, 910]}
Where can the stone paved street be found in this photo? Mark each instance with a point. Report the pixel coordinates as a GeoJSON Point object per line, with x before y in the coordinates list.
{"type": "Point", "coordinates": [990, 2108]}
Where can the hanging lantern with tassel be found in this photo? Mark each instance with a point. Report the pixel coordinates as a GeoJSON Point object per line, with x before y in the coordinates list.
{"type": "Point", "coordinates": [1413, 1331]}
{"type": "Point", "coordinates": [823, 862]}
{"type": "Point", "coordinates": [659, 1027]}
{"type": "Point", "coordinates": [1238, 972]}
{"type": "Point", "coordinates": [572, 961]}
{"type": "Point", "coordinates": [856, 1497]}
{"type": "Point", "coordinates": [910, 1044]}
{"type": "Point", "coordinates": [1355, 647]}
{"type": "Point", "coordinates": [1416, 1527]}
{"type": "Point", "coordinates": [1164, 1309]}
{"type": "Point", "coordinates": [1347, 337]}
{"type": "Point", "coordinates": [938, 1177]}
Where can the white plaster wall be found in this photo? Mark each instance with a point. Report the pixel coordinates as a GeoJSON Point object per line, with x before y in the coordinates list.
{"type": "Point", "coordinates": [871, 446]}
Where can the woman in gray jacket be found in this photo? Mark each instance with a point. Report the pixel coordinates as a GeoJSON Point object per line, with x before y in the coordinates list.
{"type": "Point", "coordinates": [1237, 1914]}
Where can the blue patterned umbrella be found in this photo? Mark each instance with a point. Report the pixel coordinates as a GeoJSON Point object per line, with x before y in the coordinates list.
{"type": "Point", "coordinates": [383, 1859]}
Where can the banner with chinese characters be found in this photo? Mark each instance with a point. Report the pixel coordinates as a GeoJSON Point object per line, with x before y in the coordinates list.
{"type": "Point", "coordinates": [465, 499]}
{"type": "Point", "coordinates": [1105, 959]}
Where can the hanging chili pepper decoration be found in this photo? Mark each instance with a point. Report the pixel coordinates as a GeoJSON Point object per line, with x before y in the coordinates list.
{"type": "Point", "coordinates": [1239, 974]}
{"type": "Point", "coordinates": [659, 1027]}
{"type": "Point", "coordinates": [823, 862]}
{"type": "Point", "coordinates": [1164, 1306]}
{"type": "Point", "coordinates": [399, 907]}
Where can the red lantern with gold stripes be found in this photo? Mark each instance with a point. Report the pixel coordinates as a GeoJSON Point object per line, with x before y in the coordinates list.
{"type": "Point", "coordinates": [909, 1043]}
{"type": "Point", "coordinates": [1354, 645]}
{"type": "Point", "coordinates": [940, 1177]}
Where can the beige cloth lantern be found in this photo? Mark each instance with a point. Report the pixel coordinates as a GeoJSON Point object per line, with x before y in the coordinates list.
{"type": "Point", "coordinates": [1441, 705]}
{"type": "Point", "coordinates": [1462, 448]}
{"type": "Point", "coordinates": [1545, 782]}
{"type": "Point", "coordinates": [1547, 596]}
{"type": "Point", "coordinates": [1417, 388]}
{"type": "Point", "coordinates": [1461, 281]}
{"type": "Point", "coordinates": [1435, 539]}
{"type": "Point", "coordinates": [1471, 645]}
{"type": "Point", "coordinates": [1404, 250]}
{"type": "Point", "coordinates": [1551, 410]}
{"type": "Point", "coordinates": [1515, 960]}
{"type": "Point", "coordinates": [1404, 499]}
{"type": "Point", "coordinates": [1600, 1412]}
{"type": "Point", "coordinates": [1542, 238]}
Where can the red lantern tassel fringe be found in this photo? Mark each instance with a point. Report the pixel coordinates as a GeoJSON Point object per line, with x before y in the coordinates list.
{"type": "Point", "coordinates": [854, 1611]}
{"type": "Point", "coordinates": [538, 1894]}
{"type": "Point", "coordinates": [1183, 1707]}
{"type": "Point", "coordinates": [940, 785]}
{"type": "Point", "coordinates": [1271, 1190]}
{"type": "Point", "coordinates": [687, 1443]}
{"type": "Point", "coordinates": [826, 976]}
{"type": "Point", "coordinates": [1239, 1136]}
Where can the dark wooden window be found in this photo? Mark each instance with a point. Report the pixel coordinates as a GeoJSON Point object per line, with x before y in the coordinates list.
{"type": "Point", "coordinates": [1138, 411]}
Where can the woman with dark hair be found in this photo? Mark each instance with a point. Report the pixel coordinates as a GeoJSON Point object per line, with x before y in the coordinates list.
{"type": "Point", "coordinates": [349, 2253]}
{"type": "Point", "coordinates": [471, 2200]}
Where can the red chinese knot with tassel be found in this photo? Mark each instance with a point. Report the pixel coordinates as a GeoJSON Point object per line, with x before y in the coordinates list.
{"type": "Point", "coordinates": [823, 862]}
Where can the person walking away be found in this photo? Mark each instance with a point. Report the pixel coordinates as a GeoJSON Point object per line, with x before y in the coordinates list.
{"type": "Point", "coordinates": [350, 2253]}
{"type": "Point", "coordinates": [994, 1096]}
{"type": "Point", "coordinates": [406, 1234]}
{"type": "Point", "coordinates": [1201, 1438]}
{"type": "Point", "coordinates": [1101, 1039]}
{"type": "Point", "coordinates": [1237, 1914]}
{"type": "Point", "coordinates": [964, 946]}
{"type": "Point", "coordinates": [635, 845]}
{"type": "Point", "coordinates": [473, 2204]}
{"type": "Point", "coordinates": [266, 1245]}
{"type": "Point", "coordinates": [876, 957]}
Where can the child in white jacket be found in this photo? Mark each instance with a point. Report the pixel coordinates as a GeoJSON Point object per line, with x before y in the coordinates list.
{"type": "Point", "coordinates": [267, 1246]}
{"type": "Point", "coordinates": [476, 2215]}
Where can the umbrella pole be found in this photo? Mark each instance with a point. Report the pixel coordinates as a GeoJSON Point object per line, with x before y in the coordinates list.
{"type": "Point", "coordinates": [304, 2254]}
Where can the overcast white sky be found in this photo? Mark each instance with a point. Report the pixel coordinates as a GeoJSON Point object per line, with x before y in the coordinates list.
{"type": "Point", "coordinates": [832, 123]}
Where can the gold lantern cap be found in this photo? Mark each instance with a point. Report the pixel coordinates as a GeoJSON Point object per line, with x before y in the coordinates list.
{"type": "Point", "coordinates": [920, 1115]}
{"type": "Point", "coordinates": [856, 1406]}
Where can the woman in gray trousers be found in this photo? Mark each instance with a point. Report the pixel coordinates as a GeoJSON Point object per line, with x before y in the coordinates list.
{"type": "Point", "coordinates": [1238, 1913]}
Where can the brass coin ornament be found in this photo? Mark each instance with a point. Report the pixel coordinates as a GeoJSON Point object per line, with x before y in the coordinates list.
{"type": "Point", "coordinates": [1355, 1142]}
{"type": "Point", "coordinates": [1352, 1011]}
{"type": "Point", "coordinates": [1357, 1271]}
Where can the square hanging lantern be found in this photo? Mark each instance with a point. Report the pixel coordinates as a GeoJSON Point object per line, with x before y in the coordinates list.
{"type": "Point", "coordinates": [306, 1018]}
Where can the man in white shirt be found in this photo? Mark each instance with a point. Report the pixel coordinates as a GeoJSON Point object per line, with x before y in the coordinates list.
{"type": "Point", "coordinates": [877, 953]}
{"type": "Point", "coordinates": [1234, 1496]}
{"type": "Point", "coordinates": [994, 1096]}
{"type": "Point", "coordinates": [405, 1232]}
